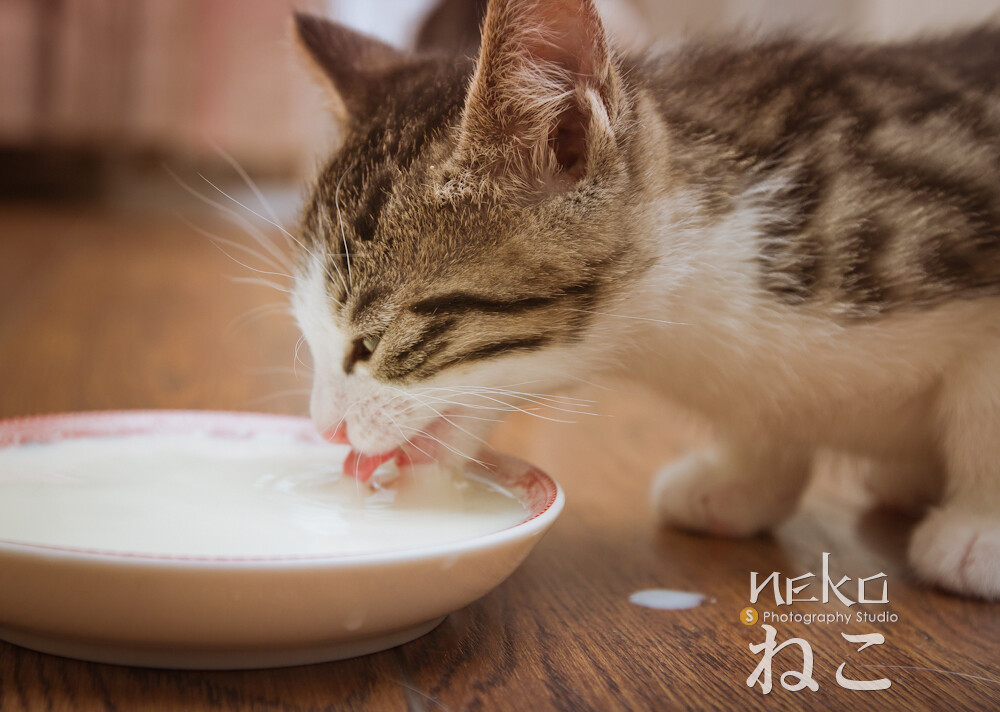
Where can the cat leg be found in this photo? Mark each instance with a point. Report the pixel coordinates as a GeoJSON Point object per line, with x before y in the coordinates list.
{"type": "Point", "coordinates": [733, 489]}
{"type": "Point", "coordinates": [908, 485]}
{"type": "Point", "coordinates": [958, 545]}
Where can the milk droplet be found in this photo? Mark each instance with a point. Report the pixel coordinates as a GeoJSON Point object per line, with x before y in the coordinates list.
{"type": "Point", "coordinates": [665, 600]}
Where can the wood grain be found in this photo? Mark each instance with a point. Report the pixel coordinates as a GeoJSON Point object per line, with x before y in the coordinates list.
{"type": "Point", "coordinates": [100, 312]}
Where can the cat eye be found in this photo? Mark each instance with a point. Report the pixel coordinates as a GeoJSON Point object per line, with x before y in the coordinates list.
{"type": "Point", "coordinates": [361, 350]}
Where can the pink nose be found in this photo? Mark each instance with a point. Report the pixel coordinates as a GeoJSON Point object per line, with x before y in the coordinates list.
{"type": "Point", "coordinates": [337, 434]}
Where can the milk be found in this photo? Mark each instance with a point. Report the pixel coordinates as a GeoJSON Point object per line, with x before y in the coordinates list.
{"type": "Point", "coordinates": [198, 495]}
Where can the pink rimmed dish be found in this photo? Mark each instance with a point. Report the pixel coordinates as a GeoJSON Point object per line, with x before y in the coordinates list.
{"type": "Point", "coordinates": [157, 609]}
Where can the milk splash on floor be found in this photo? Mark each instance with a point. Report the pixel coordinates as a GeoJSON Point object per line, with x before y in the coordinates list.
{"type": "Point", "coordinates": [665, 600]}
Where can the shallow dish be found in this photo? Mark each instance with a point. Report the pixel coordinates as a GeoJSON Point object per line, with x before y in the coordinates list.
{"type": "Point", "coordinates": [224, 612]}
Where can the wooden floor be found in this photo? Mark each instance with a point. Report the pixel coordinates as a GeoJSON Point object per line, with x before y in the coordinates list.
{"type": "Point", "coordinates": [102, 312]}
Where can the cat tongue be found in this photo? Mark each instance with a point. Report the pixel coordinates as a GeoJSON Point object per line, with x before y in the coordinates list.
{"type": "Point", "coordinates": [361, 466]}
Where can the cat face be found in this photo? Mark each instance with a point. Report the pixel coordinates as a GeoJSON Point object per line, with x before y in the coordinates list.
{"type": "Point", "coordinates": [459, 242]}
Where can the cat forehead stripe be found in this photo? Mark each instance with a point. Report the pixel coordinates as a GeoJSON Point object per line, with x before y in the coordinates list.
{"type": "Point", "coordinates": [489, 351]}
{"type": "Point", "coordinates": [456, 302]}
{"type": "Point", "coordinates": [368, 300]}
{"type": "Point", "coordinates": [460, 301]}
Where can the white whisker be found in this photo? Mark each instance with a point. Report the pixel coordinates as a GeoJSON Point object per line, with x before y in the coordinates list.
{"type": "Point", "coordinates": [215, 240]}
{"type": "Point", "coordinates": [236, 218]}
{"type": "Point", "coordinates": [508, 407]}
{"type": "Point", "coordinates": [255, 313]}
{"type": "Point", "coordinates": [343, 238]}
{"type": "Point", "coordinates": [255, 213]}
{"type": "Point", "coordinates": [292, 237]}
{"type": "Point", "coordinates": [445, 418]}
{"type": "Point", "coordinates": [295, 355]}
{"type": "Point", "coordinates": [546, 396]}
{"type": "Point", "coordinates": [257, 254]}
{"type": "Point", "coordinates": [260, 281]}
{"type": "Point", "coordinates": [636, 318]}
{"type": "Point", "coordinates": [488, 393]}
{"type": "Point", "coordinates": [245, 177]}
{"type": "Point", "coordinates": [410, 442]}
{"type": "Point", "coordinates": [439, 441]}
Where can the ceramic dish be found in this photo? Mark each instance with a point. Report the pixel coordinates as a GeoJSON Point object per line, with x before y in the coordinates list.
{"type": "Point", "coordinates": [217, 612]}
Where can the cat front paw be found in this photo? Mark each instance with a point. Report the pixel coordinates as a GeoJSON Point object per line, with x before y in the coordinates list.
{"type": "Point", "coordinates": [959, 552]}
{"type": "Point", "coordinates": [701, 493]}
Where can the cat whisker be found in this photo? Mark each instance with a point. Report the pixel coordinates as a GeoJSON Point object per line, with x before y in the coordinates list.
{"type": "Point", "coordinates": [562, 400]}
{"type": "Point", "coordinates": [255, 213]}
{"type": "Point", "coordinates": [245, 177]}
{"type": "Point", "coordinates": [488, 393]}
{"type": "Point", "coordinates": [256, 254]}
{"type": "Point", "coordinates": [582, 402]}
{"type": "Point", "coordinates": [635, 318]}
{"type": "Point", "coordinates": [274, 256]}
{"type": "Point", "coordinates": [410, 442]}
{"type": "Point", "coordinates": [509, 389]}
{"type": "Point", "coordinates": [340, 220]}
{"type": "Point", "coordinates": [255, 313]}
{"type": "Point", "coordinates": [444, 417]}
{"type": "Point", "coordinates": [237, 219]}
{"type": "Point", "coordinates": [216, 240]}
{"type": "Point", "coordinates": [260, 281]}
{"type": "Point", "coordinates": [295, 355]}
{"type": "Point", "coordinates": [447, 401]}
{"type": "Point", "coordinates": [557, 408]}
{"type": "Point", "coordinates": [282, 229]}
{"type": "Point", "coordinates": [591, 384]}
{"type": "Point", "coordinates": [508, 407]}
{"type": "Point", "coordinates": [439, 441]}
{"type": "Point", "coordinates": [475, 417]}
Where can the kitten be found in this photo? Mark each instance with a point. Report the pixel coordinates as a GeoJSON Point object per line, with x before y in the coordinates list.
{"type": "Point", "coordinates": [800, 240]}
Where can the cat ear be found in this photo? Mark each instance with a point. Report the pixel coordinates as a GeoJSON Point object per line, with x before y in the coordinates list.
{"type": "Point", "coordinates": [544, 92]}
{"type": "Point", "coordinates": [347, 61]}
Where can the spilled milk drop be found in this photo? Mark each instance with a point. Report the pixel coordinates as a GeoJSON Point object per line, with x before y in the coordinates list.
{"type": "Point", "coordinates": [662, 599]}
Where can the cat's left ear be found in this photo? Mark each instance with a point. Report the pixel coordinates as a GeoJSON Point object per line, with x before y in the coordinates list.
{"type": "Point", "coordinates": [349, 62]}
{"type": "Point", "coordinates": [546, 94]}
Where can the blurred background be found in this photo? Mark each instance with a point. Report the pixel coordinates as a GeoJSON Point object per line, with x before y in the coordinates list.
{"type": "Point", "coordinates": [96, 95]}
{"type": "Point", "coordinates": [134, 135]}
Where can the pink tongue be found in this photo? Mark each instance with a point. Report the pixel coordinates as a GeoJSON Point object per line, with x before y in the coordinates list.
{"type": "Point", "coordinates": [361, 466]}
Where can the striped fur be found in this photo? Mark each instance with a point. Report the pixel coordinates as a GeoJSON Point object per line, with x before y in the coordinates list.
{"type": "Point", "coordinates": [798, 239]}
{"type": "Point", "coordinates": [890, 156]}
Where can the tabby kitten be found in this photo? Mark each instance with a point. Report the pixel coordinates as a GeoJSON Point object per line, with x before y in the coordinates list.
{"type": "Point", "coordinates": [800, 240]}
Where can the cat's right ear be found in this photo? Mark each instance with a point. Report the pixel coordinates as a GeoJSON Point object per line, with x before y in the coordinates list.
{"type": "Point", "coordinates": [546, 98]}
{"type": "Point", "coordinates": [346, 61]}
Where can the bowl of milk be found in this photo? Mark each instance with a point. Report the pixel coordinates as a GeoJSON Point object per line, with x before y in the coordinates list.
{"type": "Point", "coordinates": [205, 540]}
